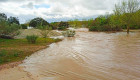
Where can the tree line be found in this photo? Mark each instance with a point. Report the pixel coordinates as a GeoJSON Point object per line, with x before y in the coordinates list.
{"type": "Point", "coordinates": [126, 15]}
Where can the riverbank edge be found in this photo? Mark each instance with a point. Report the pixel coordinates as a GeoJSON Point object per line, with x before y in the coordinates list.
{"type": "Point", "coordinates": [16, 63]}
{"type": "Point", "coordinates": [123, 30]}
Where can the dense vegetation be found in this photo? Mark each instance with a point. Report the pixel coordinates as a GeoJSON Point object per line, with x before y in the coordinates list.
{"type": "Point", "coordinates": [54, 25]}
{"type": "Point", "coordinates": [12, 20]}
{"type": "Point", "coordinates": [38, 22]}
{"type": "Point", "coordinates": [63, 25]}
{"type": "Point", "coordinates": [126, 16]}
{"type": "Point", "coordinates": [8, 27]}
{"type": "Point", "coordinates": [24, 26]}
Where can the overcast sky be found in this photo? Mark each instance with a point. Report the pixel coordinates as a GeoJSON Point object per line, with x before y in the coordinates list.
{"type": "Point", "coordinates": [56, 10]}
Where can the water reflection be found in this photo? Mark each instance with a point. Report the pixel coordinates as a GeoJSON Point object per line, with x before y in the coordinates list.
{"type": "Point", "coordinates": [89, 56]}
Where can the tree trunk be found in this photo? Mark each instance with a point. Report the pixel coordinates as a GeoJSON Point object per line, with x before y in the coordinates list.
{"type": "Point", "coordinates": [127, 29]}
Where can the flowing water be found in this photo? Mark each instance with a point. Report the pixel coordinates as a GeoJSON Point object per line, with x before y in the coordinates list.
{"type": "Point", "coordinates": [89, 56]}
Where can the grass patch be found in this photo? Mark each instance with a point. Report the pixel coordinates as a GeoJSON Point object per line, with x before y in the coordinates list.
{"type": "Point", "coordinates": [12, 50]}
{"type": "Point", "coordinates": [13, 56]}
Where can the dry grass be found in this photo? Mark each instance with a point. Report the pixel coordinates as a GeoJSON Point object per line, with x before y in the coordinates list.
{"type": "Point", "coordinates": [25, 32]}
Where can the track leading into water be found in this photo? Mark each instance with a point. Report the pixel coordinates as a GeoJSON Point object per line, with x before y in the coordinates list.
{"type": "Point", "coordinates": [89, 56]}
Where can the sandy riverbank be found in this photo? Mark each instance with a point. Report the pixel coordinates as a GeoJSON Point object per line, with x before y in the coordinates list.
{"type": "Point", "coordinates": [12, 71]}
{"type": "Point", "coordinates": [15, 73]}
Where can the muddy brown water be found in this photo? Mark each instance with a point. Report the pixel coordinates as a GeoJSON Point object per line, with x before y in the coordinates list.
{"type": "Point", "coordinates": [89, 56]}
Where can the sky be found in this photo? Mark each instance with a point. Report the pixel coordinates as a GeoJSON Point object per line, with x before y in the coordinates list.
{"type": "Point", "coordinates": [56, 10]}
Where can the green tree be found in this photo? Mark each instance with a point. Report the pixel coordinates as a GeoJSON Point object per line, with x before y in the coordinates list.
{"type": "Point", "coordinates": [8, 30]}
{"type": "Point", "coordinates": [12, 20]}
{"type": "Point", "coordinates": [3, 16]}
{"type": "Point", "coordinates": [54, 25]}
{"type": "Point", "coordinates": [136, 18]}
{"type": "Point", "coordinates": [90, 22]}
{"type": "Point", "coordinates": [24, 26]}
{"type": "Point", "coordinates": [101, 20]}
{"type": "Point", "coordinates": [38, 21]}
{"type": "Point", "coordinates": [63, 25]}
{"type": "Point", "coordinates": [126, 10]}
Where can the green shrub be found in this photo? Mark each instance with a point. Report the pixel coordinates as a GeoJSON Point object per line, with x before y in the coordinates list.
{"type": "Point", "coordinates": [133, 26]}
{"type": "Point", "coordinates": [54, 25]}
{"type": "Point", "coordinates": [32, 39]}
{"type": "Point", "coordinates": [16, 54]}
{"type": "Point", "coordinates": [97, 28]}
{"type": "Point", "coordinates": [8, 31]}
{"type": "Point", "coordinates": [62, 28]}
{"type": "Point", "coordinates": [63, 25]}
{"type": "Point", "coordinates": [93, 28]}
{"type": "Point", "coordinates": [24, 26]}
{"type": "Point", "coordinates": [105, 28]}
{"type": "Point", "coordinates": [69, 33]}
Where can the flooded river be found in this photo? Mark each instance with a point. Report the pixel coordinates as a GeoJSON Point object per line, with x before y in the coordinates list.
{"type": "Point", "coordinates": [89, 56]}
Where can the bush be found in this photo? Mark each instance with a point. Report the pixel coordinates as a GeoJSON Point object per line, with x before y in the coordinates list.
{"type": "Point", "coordinates": [69, 33]}
{"type": "Point", "coordinates": [104, 28]}
{"type": "Point", "coordinates": [97, 28]}
{"type": "Point", "coordinates": [63, 25]}
{"type": "Point", "coordinates": [61, 28]}
{"type": "Point", "coordinates": [54, 25]}
{"type": "Point", "coordinates": [132, 26]}
{"type": "Point", "coordinates": [24, 26]}
{"type": "Point", "coordinates": [8, 31]}
{"type": "Point", "coordinates": [32, 39]}
{"type": "Point", "coordinates": [93, 28]}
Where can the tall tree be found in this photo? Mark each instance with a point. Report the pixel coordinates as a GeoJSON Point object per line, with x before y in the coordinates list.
{"type": "Point", "coordinates": [3, 16]}
{"type": "Point", "coordinates": [127, 9]}
{"type": "Point", "coordinates": [12, 20]}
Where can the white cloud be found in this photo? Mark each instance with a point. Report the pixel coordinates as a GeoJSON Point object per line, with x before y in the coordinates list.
{"type": "Point", "coordinates": [56, 9]}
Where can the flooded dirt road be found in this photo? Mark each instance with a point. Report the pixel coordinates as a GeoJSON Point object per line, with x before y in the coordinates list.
{"type": "Point", "coordinates": [89, 56]}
